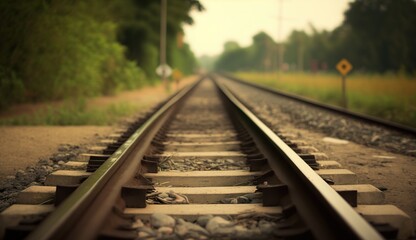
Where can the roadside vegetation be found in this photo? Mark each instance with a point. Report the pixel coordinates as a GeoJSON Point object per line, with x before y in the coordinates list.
{"type": "Point", "coordinates": [76, 113]}
{"type": "Point", "coordinates": [60, 50]}
{"type": "Point", "coordinates": [377, 37]}
{"type": "Point", "coordinates": [388, 96]}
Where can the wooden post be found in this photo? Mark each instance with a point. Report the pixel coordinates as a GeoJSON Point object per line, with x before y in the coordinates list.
{"type": "Point", "coordinates": [344, 67]}
{"type": "Point", "coordinates": [163, 41]}
{"type": "Point", "coordinates": [344, 93]}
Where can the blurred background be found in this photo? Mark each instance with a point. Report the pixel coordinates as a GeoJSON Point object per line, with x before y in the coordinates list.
{"type": "Point", "coordinates": [53, 51]}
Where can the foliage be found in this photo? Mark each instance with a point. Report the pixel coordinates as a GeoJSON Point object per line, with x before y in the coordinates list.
{"type": "Point", "coordinates": [75, 113]}
{"type": "Point", "coordinates": [385, 31]}
{"type": "Point", "coordinates": [258, 56]}
{"type": "Point", "coordinates": [53, 50]}
{"type": "Point", "coordinates": [376, 36]}
{"type": "Point", "coordinates": [141, 35]}
{"type": "Point", "coordinates": [207, 62]}
{"type": "Point", "coordinates": [11, 88]}
{"type": "Point", "coordinates": [184, 59]}
{"type": "Point", "coordinates": [387, 96]}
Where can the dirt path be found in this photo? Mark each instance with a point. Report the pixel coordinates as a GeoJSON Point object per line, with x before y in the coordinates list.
{"type": "Point", "coordinates": [144, 97]}
{"type": "Point", "coordinates": [394, 174]}
{"type": "Point", "coordinates": [23, 146]}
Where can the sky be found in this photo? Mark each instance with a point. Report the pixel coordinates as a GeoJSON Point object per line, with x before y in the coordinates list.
{"type": "Point", "coordinates": [240, 20]}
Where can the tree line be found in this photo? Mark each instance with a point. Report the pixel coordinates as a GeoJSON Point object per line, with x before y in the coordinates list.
{"type": "Point", "coordinates": [375, 36]}
{"type": "Point", "coordinates": [52, 50]}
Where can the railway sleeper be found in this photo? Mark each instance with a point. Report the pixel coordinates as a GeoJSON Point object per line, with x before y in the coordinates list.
{"type": "Point", "coordinates": [205, 188]}
{"type": "Point", "coordinates": [201, 146]}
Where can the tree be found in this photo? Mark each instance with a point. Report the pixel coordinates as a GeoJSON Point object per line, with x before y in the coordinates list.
{"type": "Point", "coordinates": [63, 49]}
{"type": "Point", "coordinates": [384, 33]}
{"type": "Point", "coordinates": [230, 46]}
{"type": "Point", "coordinates": [207, 62]}
{"type": "Point", "coordinates": [263, 52]}
{"type": "Point", "coordinates": [141, 33]}
{"type": "Point", "coordinates": [258, 56]}
{"type": "Point", "coordinates": [376, 36]}
{"type": "Point", "coordinates": [296, 49]}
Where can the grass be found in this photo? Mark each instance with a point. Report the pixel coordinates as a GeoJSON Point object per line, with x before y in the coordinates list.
{"type": "Point", "coordinates": [76, 113]}
{"type": "Point", "coordinates": [391, 97]}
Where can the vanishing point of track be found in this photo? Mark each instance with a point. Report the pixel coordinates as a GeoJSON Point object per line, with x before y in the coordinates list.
{"type": "Point", "coordinates": [201, 153]}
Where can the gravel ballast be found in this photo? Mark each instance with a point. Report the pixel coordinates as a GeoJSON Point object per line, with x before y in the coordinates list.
{"type": "Point", "coordinates": [285, 110]}
{"type": "Point", "coordinates": [378, 156]}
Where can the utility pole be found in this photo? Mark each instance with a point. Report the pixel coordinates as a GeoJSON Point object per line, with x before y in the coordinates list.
{"type": "Point", "coordinates": [300, 53]}
{"type": "Point", "coordinates": [279, 36]}
{"type": "Point", "coordinates": [163, 42]}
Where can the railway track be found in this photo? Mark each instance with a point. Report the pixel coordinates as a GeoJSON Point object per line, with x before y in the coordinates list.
{"type": "Point", "coordinates": [338, 110]}
{"type": "Point", "coordinates": [203, 166]}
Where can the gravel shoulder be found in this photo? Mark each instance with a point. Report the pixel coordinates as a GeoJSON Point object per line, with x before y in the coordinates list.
{"type": "Point", "coordinates": [394, 174]}
{"type": "Point", "coordinates": [378, 156]}
{"type": "Point", "coordinates": [21, 147]}
{"type": "Point", "coordinates": [143, 97]}
{"type": "Point", "coordinates": [29, 153]}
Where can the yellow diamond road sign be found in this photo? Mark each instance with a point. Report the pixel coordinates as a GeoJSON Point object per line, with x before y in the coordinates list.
{"type": "Point", "coordinates": [344, 67]}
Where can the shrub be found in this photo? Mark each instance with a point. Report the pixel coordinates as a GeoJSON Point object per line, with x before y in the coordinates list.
{"type": "Point", "coordinates": [11, 88]}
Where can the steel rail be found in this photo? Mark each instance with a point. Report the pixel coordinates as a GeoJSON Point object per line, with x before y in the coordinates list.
{"type": "Point", "coordinates": [369, 119]}
{"type": "Point", "coordinates": [68, 220]}
{"type": "Point", "coordinates": [322, 208]}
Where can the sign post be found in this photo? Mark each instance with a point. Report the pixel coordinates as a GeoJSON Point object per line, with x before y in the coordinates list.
{"type": "Point", "coordinates": [164, 70]}
{"type": "Point", "coordinates": [163, 42]}
{"type": "Point", "coordinates": [344, 67]}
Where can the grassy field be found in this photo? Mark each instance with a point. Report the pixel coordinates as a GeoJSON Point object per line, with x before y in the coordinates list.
{"type": "Point", "coordinates": [390, 97]}
{"type": "Point", "coordinates": [76, 113]}
{"type": "Point", "coordinates": [102, 110]}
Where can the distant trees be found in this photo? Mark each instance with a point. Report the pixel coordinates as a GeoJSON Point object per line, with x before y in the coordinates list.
{"type": "Point", "coordinates": [261, 55]}
{"type": "Point", "coordinates": [207, 62]}
{"type": "Point", "coordinates": [383, 32]}
{"type": "Point", "coordinates": [58, 49]}
{"type": "Point", "coordinates": [376, 36]}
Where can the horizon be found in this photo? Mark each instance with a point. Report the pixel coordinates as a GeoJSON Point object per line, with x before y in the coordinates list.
{"type": "Point", "coordinates": [212, 27]}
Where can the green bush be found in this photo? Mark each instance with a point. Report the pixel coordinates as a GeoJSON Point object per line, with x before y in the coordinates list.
{"type": "Point", "coordinates": [75, 112]}
{"type": "Point", "coordinates": [64, 50]}
{"type": "Point", "coordinates": [11, 88]}
{"type": "Point", "coordinates": [55, 50]}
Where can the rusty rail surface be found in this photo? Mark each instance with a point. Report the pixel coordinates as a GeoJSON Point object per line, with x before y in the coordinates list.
{"type": "Point", "coordinates": [78, 216]}
{"type": "Point", "coordinates": [326, 213]}
{"type": "Point", "coordinates": [362, 117]}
